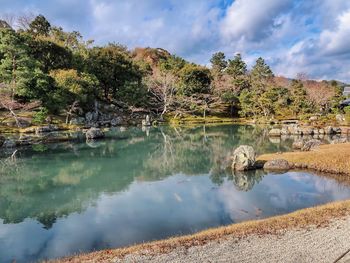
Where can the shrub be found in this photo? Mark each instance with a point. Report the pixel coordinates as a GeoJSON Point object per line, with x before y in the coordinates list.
{"type": "Point", "coordinates": [40, 116]}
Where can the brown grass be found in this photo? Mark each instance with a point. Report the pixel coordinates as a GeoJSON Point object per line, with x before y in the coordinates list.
{"type": "Point", "coordinates": [317, 216]}
{"type": "Point", "coordinates": [332, 158]}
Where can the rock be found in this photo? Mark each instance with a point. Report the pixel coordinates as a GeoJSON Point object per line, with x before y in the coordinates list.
{"type": "Point", "coordinates": [337, 130]}
{"type": "Point", "coordinates": [312, 144]}
{"type": "Point", "coordinates": [294, 129]}
{"type": "Point", "coordinates": [77, 121]}
{"type": "Point", "coordinates": [243, 158]}
{"type": "Point", "coordinates": [313, 118]}
{"type": "Point", "coordinates": [275, 132]}
{"type": "Point", "coordinates": [345, 130]}
{"type": "Point", "coordinates": [321, 131]}
{"type": "Point", "coordinates": [46, 129]}
{"type": "Point", "coordinates": [298, 144]}
{"type": "Point", "coordinates": [340, 118]}
{"type": "Point", "coordinates": [94, 133]}
{"type": "Point", "coordinates": [315, 131]}
{"type": "Point", "coordinates": [117, 121]}
{"type": "Point", "coordinates": [285, 131]}
{"type": "Point", "coordinates": [307, 131]}
{"type": "Point", "coordinates": [91, 117]}
{"type": "Point", "coordinates": [278, 164]}
{"type": "Point", "coordinates": [328, 130]}
{"type": "Point", "coordinates": [9, 143]}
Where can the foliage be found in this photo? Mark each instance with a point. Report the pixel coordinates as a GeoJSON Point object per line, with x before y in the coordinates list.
{"type": "Point", "coordinates": [74, 86]}
{"type": "Point", "coordinates": [194, 79]}
{"type": "Point", "coordinates": [40, 116]}
{"type": "Point", "coordinates": [299, 104]}
{"type": "Point", "coordinates": [42, 62]}
{"type": "Point", "coordinates": [219, 63]}
{"type": "Point", "coordinates": [40, 26]}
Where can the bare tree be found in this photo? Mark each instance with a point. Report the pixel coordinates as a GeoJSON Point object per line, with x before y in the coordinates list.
{"type": "Point", "coordinates": [23, 21]}
{"type": "Point", "coordinates": [162, 87]}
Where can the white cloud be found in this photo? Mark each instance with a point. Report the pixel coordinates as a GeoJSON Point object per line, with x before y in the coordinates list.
{"type": "Point", "coordinates": [252, 20]}
{"type": "Point", "coordinates": [336, 42]}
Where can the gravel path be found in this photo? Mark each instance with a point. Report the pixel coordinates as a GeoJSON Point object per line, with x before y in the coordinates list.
{"type": "Point", "coordinates": [297, 246]}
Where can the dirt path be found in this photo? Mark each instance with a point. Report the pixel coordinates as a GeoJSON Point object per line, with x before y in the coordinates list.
{"type": "Point", "coordinates": [308, 245]}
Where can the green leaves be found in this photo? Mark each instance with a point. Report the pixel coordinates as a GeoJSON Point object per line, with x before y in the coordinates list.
{"type": "Point", "coordinates": [194, 79]}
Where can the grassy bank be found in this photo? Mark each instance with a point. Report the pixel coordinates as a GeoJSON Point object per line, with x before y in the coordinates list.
{"type": "Point", "coordinates": [317, 216]}
{"type": "Point", "coordinates": [332, 158]}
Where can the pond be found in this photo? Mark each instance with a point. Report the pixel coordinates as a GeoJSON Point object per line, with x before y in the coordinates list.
{"type": "Point", "coordinates": [142, 185]}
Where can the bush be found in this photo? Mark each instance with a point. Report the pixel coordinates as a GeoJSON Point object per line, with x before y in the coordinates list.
{"type": "Point", "coordinates": [40, 116]}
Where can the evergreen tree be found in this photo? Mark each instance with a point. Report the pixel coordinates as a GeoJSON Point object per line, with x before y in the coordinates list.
{"type": "Point", "coordinates": [261, 70]}
{"type": "Point", "coordinates": [237, 69]}
{"type": "Point", "coordinates": [16, 67]}
{"type": "Point", "coordinates": [40, 26]}
{"type": "Point", "coordinates": [299, 99]}
{"type": "Point", "coordinates": [218, 63]}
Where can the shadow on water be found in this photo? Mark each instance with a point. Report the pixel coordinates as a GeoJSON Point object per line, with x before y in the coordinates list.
{"type": "Point", "coordinates": [142, 185]}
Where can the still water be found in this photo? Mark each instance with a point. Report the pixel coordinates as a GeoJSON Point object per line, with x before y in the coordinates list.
{"type": "Point", "coordinates": [138, 186]}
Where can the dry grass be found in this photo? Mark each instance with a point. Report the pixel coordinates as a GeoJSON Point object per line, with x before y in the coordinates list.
{"type": "Point", "coordinates": [317, 216]}
{"type": "Point", "coordinates": [332, 158]}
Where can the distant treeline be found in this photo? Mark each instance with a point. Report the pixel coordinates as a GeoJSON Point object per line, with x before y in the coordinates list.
{"type": "Point", "coordinates": [43, 65]}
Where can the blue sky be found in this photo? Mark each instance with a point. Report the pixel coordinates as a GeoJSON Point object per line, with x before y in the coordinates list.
{"type": "Point", "coordinates": [294, 36]}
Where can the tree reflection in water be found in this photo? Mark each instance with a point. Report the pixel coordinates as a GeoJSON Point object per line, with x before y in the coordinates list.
{"type": "Point", "coordinates": [53, 181]}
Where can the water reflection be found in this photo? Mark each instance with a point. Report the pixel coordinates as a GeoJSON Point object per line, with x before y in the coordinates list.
{"type": "Point", "coordinates": [65, 198]}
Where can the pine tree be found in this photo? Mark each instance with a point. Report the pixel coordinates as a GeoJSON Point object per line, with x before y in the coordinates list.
{"type": "Point", "coordinates": [219, 63]}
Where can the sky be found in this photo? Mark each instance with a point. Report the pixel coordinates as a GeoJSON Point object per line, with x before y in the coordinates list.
{"type": "Point", "coordinates": [294, 36]}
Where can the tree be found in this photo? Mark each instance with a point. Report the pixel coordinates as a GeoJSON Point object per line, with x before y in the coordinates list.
{"type": "Point", "coordinates": [218, 63]}
{"type": "Point", "coordinates": [194, 79]}
{"type": "Point", "coordinates": [40, 26]}
{"type": "Point", "coordinates": [261, 71]}
{"type": "Point", "coordinates": [16, 67]}
{"type": "Point", "coordinates": [75, 91]}
{"type": "Point", "coordinates": [162, 86]}
{"type": "Point", "coordinates": [299, 102]}
{"type": "Point", "coordinates": [119, 77]}
{"type": "Point", "coordinates": [51, 55]}
{"type": "Point", "coordinates": [237, 69]}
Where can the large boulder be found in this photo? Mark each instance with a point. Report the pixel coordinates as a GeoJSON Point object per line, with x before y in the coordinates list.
{"type": "Point", "coordinates": [298, 144]}
{"type": "Point", "coordinates": [94, 133]}
{"type": "Point", "coordinates": [311, 144]}
{"type": "Point", "coordinates": [244, 158]}
{"type": "Point", "coordinates": [277, 165]}
{"type": "Point", "coordinates": [275, 132]}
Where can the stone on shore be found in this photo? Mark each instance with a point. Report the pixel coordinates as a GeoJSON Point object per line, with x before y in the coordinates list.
{"type": "Point", "coordinates": [244, 158]}
{"type": "Point", "coordinates": [94, 133]}
{"type": "Point", "coordinates": [310, 145]}
{"type": "Point", "coordinates": [275, 132]}
{"type": "Point", "coordinates": [298, 144]}
{"type": "Point", "coordinates": [278, 164]}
